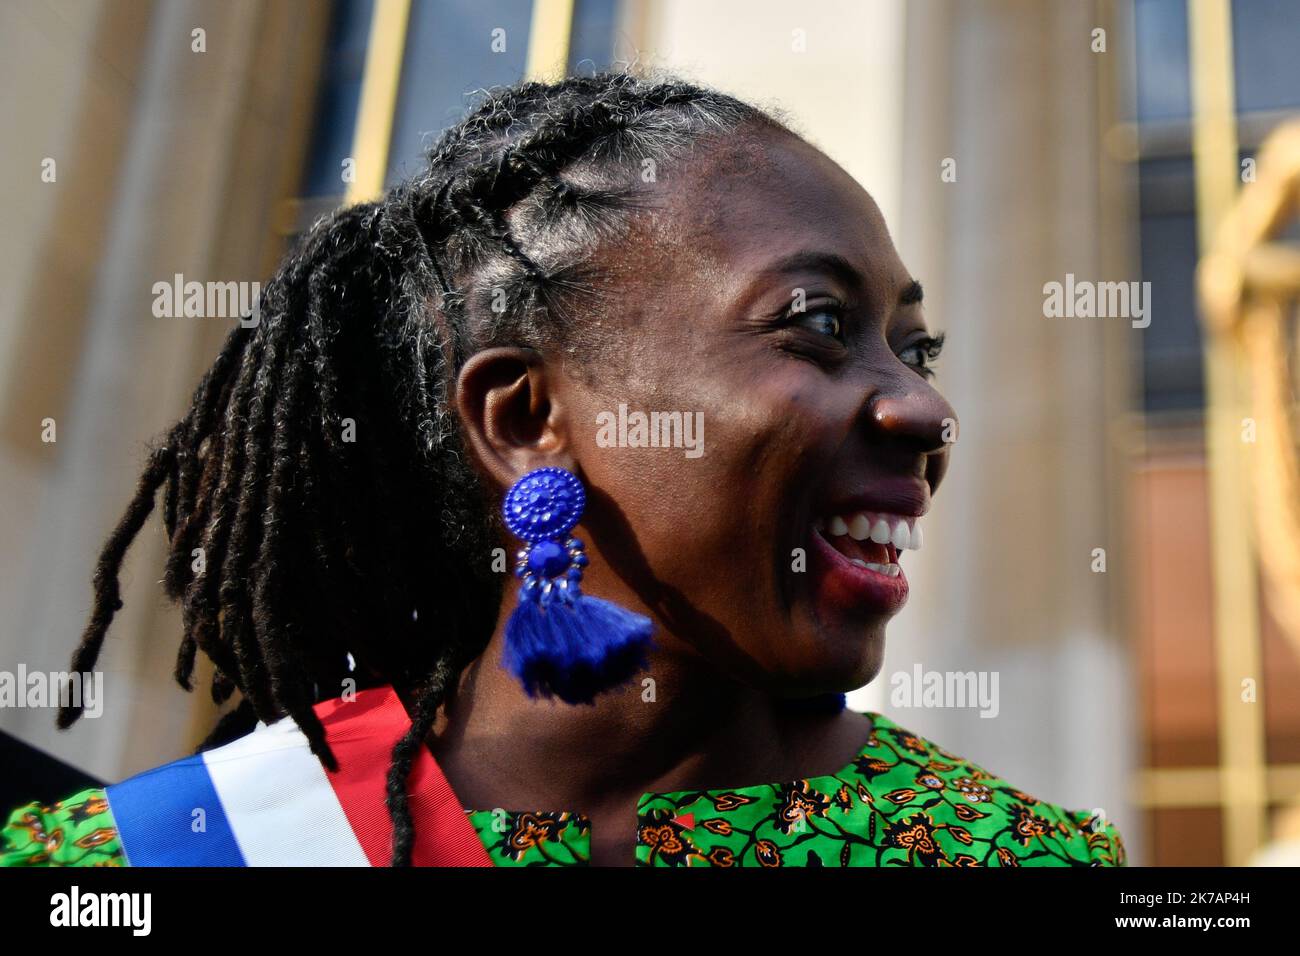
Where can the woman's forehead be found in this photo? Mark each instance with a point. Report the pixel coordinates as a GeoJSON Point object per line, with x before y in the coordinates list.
{"type": "Point", "coordinates": [750, 201]}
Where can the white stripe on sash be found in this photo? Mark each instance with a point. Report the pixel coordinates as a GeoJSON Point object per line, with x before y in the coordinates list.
{"type": "Point", "coordinates": [278, 800]}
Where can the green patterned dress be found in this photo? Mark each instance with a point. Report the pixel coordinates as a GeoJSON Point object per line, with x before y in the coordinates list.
{"type": "Point", "coordinates": [903, 801]}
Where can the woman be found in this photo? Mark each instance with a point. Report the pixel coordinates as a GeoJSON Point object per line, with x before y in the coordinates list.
{"type": "Point", "coordinates": [577, 260]}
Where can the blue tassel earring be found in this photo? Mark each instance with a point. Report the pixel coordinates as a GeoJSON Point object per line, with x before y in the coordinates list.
{"type": "Point", "coordinates": [559, 641]}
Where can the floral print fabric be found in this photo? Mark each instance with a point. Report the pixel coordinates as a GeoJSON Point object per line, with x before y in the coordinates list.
{"type": "Point", "coordinates": [78, 831]}
{"type": "Point", "coordinates": [903, 801]}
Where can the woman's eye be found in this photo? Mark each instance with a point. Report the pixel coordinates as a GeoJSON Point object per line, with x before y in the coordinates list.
{"type": "Point", "coordinates": [922, 355]}
{"type": "Point", "coordinates": [824, 321]}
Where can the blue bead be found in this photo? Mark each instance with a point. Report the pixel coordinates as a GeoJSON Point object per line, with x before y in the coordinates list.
{"type": "Point", "coordinates": [548, 559]}
{"type": "Point", "coordinates": [544, 504]}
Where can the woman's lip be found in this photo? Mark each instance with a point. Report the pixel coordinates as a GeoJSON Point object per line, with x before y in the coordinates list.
{"type": "Point", "coordinates": [848, 588]}
{"type": "Point", "coordinates": [908, 498]}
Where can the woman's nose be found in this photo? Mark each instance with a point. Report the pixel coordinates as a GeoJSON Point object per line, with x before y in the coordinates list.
{"type": "Point", "coordinates": [919, 419]}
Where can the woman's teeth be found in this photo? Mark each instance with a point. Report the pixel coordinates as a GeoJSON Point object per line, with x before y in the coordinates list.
{"type": "Point", "coordinates": [892, 570]}
{"type": "Point", "coordinates": [901, 531]}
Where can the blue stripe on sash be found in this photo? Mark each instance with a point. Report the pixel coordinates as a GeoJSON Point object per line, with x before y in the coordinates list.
{"type": "Point", "coordinates": [156, 819]}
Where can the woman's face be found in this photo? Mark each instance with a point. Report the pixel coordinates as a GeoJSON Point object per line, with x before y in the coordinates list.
{"type": "Point", "coordinates": [764, 299]}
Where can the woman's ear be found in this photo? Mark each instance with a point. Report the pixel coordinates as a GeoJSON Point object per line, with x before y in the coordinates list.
{"type": "Point", "coordinates": [513, 421]}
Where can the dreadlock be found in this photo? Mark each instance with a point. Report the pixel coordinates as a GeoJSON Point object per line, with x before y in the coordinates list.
{"type": "Point", "coordinates": [323, 518]}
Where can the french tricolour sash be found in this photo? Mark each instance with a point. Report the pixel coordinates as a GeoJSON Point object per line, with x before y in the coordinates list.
{"type": "Point", "coordinates": [265, 800]}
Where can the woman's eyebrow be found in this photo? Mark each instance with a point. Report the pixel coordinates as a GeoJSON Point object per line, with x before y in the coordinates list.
{"type": "Point", "coordinates": [840, 267]}
{"type": "Point", "coordinates": [832, 263]}
{"type": "Point", "coordinates": [815, 261]}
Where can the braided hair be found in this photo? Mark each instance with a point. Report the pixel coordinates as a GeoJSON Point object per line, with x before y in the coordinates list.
{"type": "Point", "coordinates": [323, 518]}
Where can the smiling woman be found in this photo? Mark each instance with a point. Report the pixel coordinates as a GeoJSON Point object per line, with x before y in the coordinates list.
{"type": "Point", "coordinates": [684, 627]}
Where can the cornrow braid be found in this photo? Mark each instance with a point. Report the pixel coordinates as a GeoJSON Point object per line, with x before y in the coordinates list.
{"type": "Point", "coordinates": [324, 521]}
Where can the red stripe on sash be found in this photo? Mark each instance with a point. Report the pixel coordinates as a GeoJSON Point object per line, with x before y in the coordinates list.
{"type": "Point", "coordinates": [362, 733]}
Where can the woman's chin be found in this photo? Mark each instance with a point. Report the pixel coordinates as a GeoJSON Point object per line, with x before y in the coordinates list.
{"type": "Point", "coordinates": [834, 661]}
